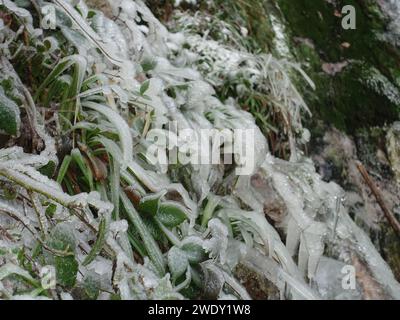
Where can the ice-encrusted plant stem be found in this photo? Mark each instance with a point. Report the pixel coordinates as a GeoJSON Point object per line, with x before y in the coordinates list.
{"type": "Point", "coordinates": [63, 199]}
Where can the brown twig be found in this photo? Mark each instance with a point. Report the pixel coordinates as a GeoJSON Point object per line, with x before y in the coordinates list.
{"type": "Point", "coordinates": [4, 232]}
{"type": "Point", "coordinates": [379, 198]}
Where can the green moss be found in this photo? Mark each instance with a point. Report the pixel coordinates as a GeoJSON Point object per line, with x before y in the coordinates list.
{"type": "Point", "coordinates": [253, 15]}
{"type": "Point", "coordinates": [390, 250]}
{"type": "Point", "coordinates": [344, 99]}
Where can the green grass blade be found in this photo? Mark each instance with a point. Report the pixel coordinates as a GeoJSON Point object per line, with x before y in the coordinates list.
{"type": "Point", "coordinates": [152, 248]}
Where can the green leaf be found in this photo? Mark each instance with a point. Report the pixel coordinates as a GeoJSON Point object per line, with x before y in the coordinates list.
{"type": "Point", "coordinates": [191, 292]}
{"type": "Point", "coordinates": [101, 239]}
{"type": "Point", "coordinates": [136, 243]}
{"type": "Point", "coordinates": [144, 87]}
{"type": "Point", "coordinates": [91, 285]}
{"type": "Point", "coordinates": [63, 65]}
{"type": "Point", "coordinates": [124, 131]}
{"type": "Point", "coordinates": [63, 169]}
{"type": "Point", "coordinates": [154, 229]}
{"type": "Point", "coordinates": [177, 262]}
{"type": "Point", "coordinates": [80, 161]}
{"type": "Point", "coordinates": [194, 252]}
{"type": "Point", "coordinates": [171, 214]}
{"type": "Point", "coordinates": [148, 65]}
{"type": "Point", "coordinates": [62, 239]}
{"type": "Point", "coordinates": [150, 244]}
{"type": "Point", "coordinates": [51, 210]}
{"type": "Point", "coordinates": [9, 116]}
{"type": "Point", "coordinates": [48, 169]}
{"type": "Point", "coordinates": [66, 270]}
{"type": "Point", "coordinates": [149, 204]}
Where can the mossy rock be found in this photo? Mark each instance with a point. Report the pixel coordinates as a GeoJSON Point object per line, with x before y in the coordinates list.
{"type": "Point", "coordinates": [258, 287]}
{"type": "Point", "coordinates": [347, 98]}
{"type": "Point", "coordinates": [390, 249]}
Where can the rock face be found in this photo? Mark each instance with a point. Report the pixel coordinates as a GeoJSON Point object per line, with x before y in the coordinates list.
{"type": "Point", "coordinates": [356, 71]}
{"type": "Point", "coordinates": [392, 9]}
{"type": "Point", "coordinates": [336, 156]}
{"type": "Point", "coordinates": [393, 147]}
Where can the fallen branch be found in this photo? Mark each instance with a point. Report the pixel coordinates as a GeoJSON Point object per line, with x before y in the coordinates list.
{"type": "Point", "coordinates": [379, 198]}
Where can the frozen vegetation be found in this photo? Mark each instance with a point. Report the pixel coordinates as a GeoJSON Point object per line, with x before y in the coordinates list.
{"type": "Point", "coordinates": [84, 214]}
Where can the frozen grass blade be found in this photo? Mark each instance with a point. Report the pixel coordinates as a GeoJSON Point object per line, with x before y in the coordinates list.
{"type": "Point", "coordinates": [151, 246]}
{"type": "Point", "coordinates": [122, 127]}
{"type": "Point", "coordinates": [80, 65]}
{"type": "Point", "coordinates": [99, 244]}
{"type": "Point", "coordinates": [87, 31]}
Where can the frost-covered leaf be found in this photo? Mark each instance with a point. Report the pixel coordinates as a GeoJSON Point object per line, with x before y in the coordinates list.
{"type": "Point", "coordinates": [66, 270]}
{"type": "Point", "coordinates": [152, 248]}
{"type": "Point", "coordinates": [120, 124]}
{"type": "Point", "coordinates": [92, 285]}
{"type": "Point", "coordinates": [154, 229]}
{"type": "Point", "coordinates": [22, 13]}
{"type": "Point", "coordinates": [194, 250]}
{"type": "Point", "coordinates": [213, 280]}
{"type": "Point", "coordinates": [62, 238]}
{"type": "Point", "coordinates": [144, 87]}
{"type": "Point", "coordinates": [171, 214]}
{"type": "Point", "coordinates": [149, 204]}
{"type": "Point", "coordinates": [218, 243]}
{"type": "Point", "coordinates": [177, 262]}
{"type": "Point", "coordinates": [165, 291]}
{"type": "Point", "coordinates": [9, 115]}
{"type": "Point", "coordinates": [61, 253]}
{"type": "Point", "coordinates": [98, 245]}
{"type": "Point", "coordinates": [12, 269]}
{"type": "Point", "coordinates": [88, 32]}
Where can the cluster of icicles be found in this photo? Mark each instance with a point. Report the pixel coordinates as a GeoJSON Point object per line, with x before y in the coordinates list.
{"type": "Point", "coordinates": [315, 221]}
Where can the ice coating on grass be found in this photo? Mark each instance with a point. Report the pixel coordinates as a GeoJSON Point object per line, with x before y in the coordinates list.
{"type": "Point", "coordinates": [218, 243]}
{"type": "Point", "coordinates": [121, 126]}
{"type": "Point", "coordinates": [238, 231]}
